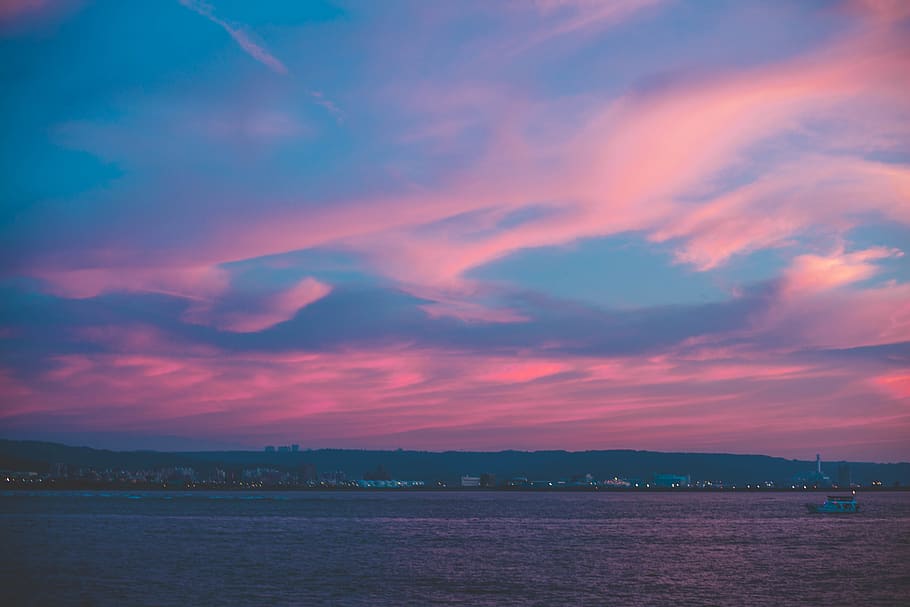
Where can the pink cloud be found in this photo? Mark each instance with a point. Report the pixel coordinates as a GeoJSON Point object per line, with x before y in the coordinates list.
{"type": "Point", "coordinates": [204, 286]}
{"type": "Point", "coordinates": [894, 384]}
{"type": "Point", "coordinates": [813, 310]}
{"type": "Point", "coordinates": [274, 309]}
{"type": "Point", "coordinates": [434, 398]}
{"type": "Point", "coordinates": [841, 318]}
{"type": "Point", "coordinates": [646, 161]}
{"type": "Point", "coordinates": [510, 372]}
{"type": "Point", "coordinates": [813, 273]}
{"type": "Point", "coordinates": [574, 18]}
{"type": "Point", "coordinates": [632, 166]}
{"type": "Point", "coordinates": [770, 211]}
{"type": "Point", "coordinates": [657, 161]}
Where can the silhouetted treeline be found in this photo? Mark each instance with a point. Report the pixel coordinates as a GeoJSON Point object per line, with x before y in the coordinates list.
{"type": "Point", "coordinates": [449, 466]}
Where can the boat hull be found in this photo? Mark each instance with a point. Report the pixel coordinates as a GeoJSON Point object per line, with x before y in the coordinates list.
{"type": "Point", "coordinates": [826, 509]}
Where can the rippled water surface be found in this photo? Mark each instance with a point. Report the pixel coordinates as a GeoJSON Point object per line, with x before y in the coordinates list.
{"type": "Point", "coordinates": [450, 548]}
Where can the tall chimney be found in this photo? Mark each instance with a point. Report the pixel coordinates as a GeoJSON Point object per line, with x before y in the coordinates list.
{"type": "Point", "coordinates": [818, 463]}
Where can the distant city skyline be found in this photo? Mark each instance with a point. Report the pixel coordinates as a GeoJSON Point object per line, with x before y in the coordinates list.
{"type": "Point", "coordinates": [639, 224]}
{"type": "Point", "coordinates": [50, 465]}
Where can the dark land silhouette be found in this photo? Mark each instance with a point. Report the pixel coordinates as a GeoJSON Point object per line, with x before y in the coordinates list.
{"type": "Point", "coordinates": [449, 466]}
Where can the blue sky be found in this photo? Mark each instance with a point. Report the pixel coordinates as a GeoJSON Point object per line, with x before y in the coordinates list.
{"type": "Point", "coordinates": [639, 224]}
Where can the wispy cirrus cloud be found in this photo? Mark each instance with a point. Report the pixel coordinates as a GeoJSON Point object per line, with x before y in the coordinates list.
{"type": "Point", "coordinates": [254, 49]}
{"type": "Point", "coordinates": [246, 272]}
{"type": "Point", "coordinates": [265, 311]}
{"type": "Point", "coordinates": [574, 16]}
{"type": "Point", "coordinates": [320, 99]}
{"type": "Point", "coordinates": [631, 164]}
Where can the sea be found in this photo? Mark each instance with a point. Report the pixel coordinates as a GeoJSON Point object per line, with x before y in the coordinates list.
{"type": "Point", "coordinates": [122, 548]}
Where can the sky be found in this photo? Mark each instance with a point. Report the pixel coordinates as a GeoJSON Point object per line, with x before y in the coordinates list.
{"type": "Point", "coordinates": [556, 224]}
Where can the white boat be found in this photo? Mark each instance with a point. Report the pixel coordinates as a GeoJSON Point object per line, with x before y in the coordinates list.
{"type": "Point", "coordinates": [836, 504]}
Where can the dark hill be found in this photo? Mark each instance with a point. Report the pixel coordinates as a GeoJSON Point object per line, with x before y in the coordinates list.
{"type": "Point", "coordinates": [450, 465]}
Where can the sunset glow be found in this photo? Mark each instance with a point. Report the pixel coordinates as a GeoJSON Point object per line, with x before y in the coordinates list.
{"type": "Point", "coordinates": [561, 224]}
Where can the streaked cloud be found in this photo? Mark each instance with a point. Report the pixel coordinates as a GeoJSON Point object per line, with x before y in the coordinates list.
{"type": "Point", "coordinates": [271, 310]}
{"type": "Point", "coordinates": [254, 49]}
{"type": "Point", "coordinates": [340, 256]}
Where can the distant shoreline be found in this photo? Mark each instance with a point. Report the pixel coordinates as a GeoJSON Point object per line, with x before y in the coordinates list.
{"type": "Point", "coordinates": [57, 486]}
{"type": "Point", "coordinates": [32, 465]}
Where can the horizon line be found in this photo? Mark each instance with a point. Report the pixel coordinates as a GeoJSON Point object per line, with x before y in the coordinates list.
{"type": "Point", "coordinates": [403, 450]}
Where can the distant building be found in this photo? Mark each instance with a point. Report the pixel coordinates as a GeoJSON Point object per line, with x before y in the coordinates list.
{"type": "Point", "coordinates": [581, 480]}
{"type": "Point", "coordinates": [307, 473]}
{"type": "Point", "coordinates": [266, 477]}
{"type": "Point", "coordinates": [518, 481]}
{"type": "Point", "coordinates": [709, 484]}
{"type": "Point", "coordinates": [284, 449]}
{"type": "Point", "coordinates": [844, 479]}
{"type": "Point", "coordinates": [388, 484]}
{"type": "Point", "coordinates": [379, 473]}
{"type": "Point", "coordinates": [671, 480]}
{"type": "Point", "coordinates": [617, 482]}
{"type": "Point", "coordinates": [470, 481]}
{"type": "Point", "coordinates": [295, 448]}
{"type": "Point", "coordinates": [816, 478]}
{"type": "Point", "coordinates": [487, 479]}
{"type": "Point", "coordinates": [334, 478]}
{"type": "Point", "coordinates": [270, 449]}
